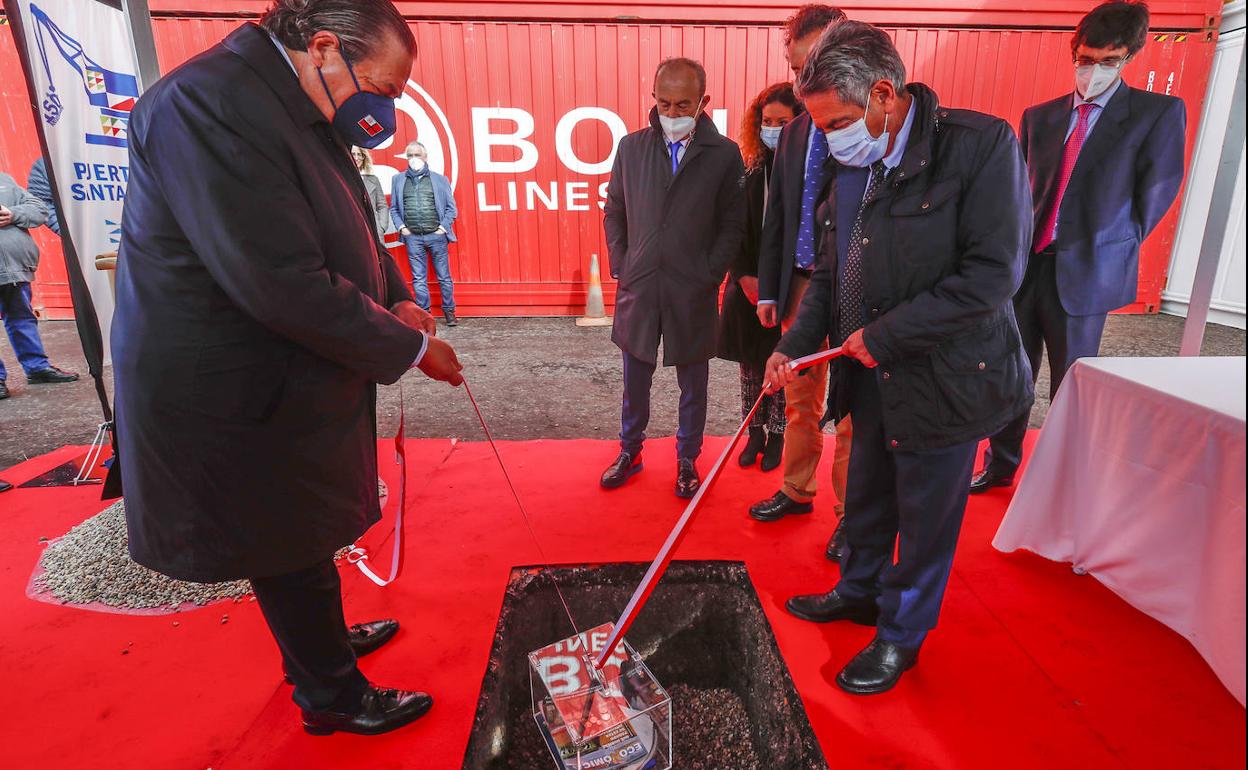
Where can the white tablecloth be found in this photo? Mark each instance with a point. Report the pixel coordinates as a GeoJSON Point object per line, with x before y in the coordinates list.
{"type": "Point", "coordinates": [1138, 479]}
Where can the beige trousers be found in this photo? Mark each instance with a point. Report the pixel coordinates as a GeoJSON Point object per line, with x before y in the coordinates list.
{"type": "Point", "coordinates": [806, 401]}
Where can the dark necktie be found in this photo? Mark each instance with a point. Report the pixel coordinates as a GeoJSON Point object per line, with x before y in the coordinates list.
{"type": "Point", "coordinates": [804, 253]}
{"type": "Point", "coordinates": [852, 317]}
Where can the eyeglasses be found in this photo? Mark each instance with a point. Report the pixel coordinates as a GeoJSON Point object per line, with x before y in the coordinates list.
{"type": "Point", "coordinates": [1116, 62]}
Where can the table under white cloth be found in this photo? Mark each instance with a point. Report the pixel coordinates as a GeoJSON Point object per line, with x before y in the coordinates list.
{"type": "Point", "coordinates": [1138, 479]}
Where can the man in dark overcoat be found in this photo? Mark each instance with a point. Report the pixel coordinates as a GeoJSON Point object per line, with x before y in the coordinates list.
{"type": "Point", "coordinates": [674, 220]}
{"type": "Point", "coordinates": [925, 234]}
{"type": "Point", "coordinates": [256, 311]}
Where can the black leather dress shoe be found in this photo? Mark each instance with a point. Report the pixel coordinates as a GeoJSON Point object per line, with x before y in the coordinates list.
{"type": "Point", "coordinates": [365, 638]}
{"type": "Point", "coordinates": [836, 544]}
{"type": "Point", "coordinates": [753, 447]}
{"type": "Point", "coordinates": [777, 507]}
{"type": "Point", "coordinates": [4, 390]}
{"type": "Point", "coordinates": [369, 637]}
{"type": "Point", "coordinates": [829, 607]}
{"type": "Point", "coordinates": [380, 712]}
{"type": "Point", "coordinates": [51, 374]}
{"type": "Point", "coordinates": [5, 486]}
{"type": "Point", "coordinates": [987, 479]}
{"type": "Point", "coordinates": [877, 668]}
{"type": "Point", "coordinates": [687, 478]}
{"type": "Point", "coordinates": [624, 468]}
{"type": "Point", "coordinates": [451, 320]}
{"type": "Point", "coordinates": [773, 455]}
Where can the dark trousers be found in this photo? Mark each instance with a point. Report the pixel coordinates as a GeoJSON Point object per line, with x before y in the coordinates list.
{"type": "Point", "coordinates": [304, 612]}
{"type": "Point", "coordinates": [23, 328]}
{"type": "Point", "coordinates": [635, 415]}
{"type": "Point", "coordinates": [910, 503]}
{"type": "Point", "coordinates": [1043, 323]}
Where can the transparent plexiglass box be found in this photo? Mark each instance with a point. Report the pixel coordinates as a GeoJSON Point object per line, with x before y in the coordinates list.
{"type": "Point", "coordinates": [615, 718]}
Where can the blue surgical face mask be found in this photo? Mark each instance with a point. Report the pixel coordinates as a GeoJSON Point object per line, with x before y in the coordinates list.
{"type": "Point", "coordinates": [854, 145]}
{"type": "Point", "coordinates": [365, 119]}
{"type": "Point", "coordinates": [771, 136]}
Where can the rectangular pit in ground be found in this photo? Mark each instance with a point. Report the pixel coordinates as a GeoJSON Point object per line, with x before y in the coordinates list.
{"type": "Point", "coordinates": [703, 634]}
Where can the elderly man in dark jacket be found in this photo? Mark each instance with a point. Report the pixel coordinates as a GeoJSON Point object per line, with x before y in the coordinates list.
{"type": "Point", "coordinates": [256, 311]}
{"type": "Point", "coordinates": [674, 220]}
{"type": "Point", "coordinates": [926, 229]}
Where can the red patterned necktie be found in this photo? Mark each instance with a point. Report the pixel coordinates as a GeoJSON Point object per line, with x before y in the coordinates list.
{"type": "Point", "coordinates": [1073, 145]}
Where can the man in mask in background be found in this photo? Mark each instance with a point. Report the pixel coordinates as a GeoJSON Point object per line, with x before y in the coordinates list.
{"type": "Point", "coordinates": [674, 219]}
{"type": "Point", "coordinates": [422, 206]}
{"type": "Point", "coordinates": [1106, 163]}
{"type": "Point", "coordinates": [256, 311]}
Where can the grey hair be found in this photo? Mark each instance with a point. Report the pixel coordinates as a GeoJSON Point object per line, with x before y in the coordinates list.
{"type": "Point", "coordinates": [362, 26]}
{"type": "Point", "coordinates": [848, 60]}
{"type": "Point", "coordinates": [412, 144]}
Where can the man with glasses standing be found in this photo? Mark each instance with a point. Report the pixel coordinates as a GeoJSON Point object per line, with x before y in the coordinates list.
{"type": "Point", "coordinates": [1106, 163]}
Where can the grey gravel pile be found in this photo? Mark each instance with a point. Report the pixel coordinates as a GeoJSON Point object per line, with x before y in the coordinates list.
{"type": "Point", "coordinates": [710, 731]}
{"type": "Point", "coordinates": [91, 564]}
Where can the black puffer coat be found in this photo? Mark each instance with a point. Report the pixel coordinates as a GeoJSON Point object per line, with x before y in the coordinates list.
{"type": "Point", "coordinates": [947, 240]}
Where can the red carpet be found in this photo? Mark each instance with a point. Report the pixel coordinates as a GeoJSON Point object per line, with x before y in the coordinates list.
{"type": "Point", "coordinates": [1032, 666]}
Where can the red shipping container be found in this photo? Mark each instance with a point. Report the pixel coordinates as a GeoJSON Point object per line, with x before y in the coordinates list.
{"type": "Point", "coordinates": [523, 114]}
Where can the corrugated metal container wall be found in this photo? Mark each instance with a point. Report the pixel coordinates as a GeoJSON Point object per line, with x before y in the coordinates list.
{"type": "Point", "coordinates": [19, 147]}
{"type": "Point", "coordinates": [522, 116]}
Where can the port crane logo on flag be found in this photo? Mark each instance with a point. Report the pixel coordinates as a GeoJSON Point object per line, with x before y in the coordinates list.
{"type": "Point", "coordinates": [111, 93]}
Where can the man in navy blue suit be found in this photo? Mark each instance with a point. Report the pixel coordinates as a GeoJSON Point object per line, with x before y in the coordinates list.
{"type": "Point", "coordinates": [1106, 163]}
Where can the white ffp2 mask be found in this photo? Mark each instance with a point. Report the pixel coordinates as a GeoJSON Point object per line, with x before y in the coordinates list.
{"type": "Point", "coordinates": [1095, 79]}
{"type": "Point", "coordinates": [676, 129]}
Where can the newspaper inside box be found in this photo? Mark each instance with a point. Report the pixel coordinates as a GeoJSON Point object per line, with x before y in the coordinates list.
{"type": "Point", "coordinates": [616, 718]}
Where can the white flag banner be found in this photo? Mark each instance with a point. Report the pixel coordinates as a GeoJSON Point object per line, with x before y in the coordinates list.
{"type": "Point", "coordinates": [83, 71]}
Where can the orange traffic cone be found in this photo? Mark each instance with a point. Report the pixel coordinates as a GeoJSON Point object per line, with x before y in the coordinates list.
{"type": "Point", "coordinates": [595, 307]}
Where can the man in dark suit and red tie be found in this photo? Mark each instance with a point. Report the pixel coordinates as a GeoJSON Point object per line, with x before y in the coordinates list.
{"type": "Point", "coordinates": [1106, 163]}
